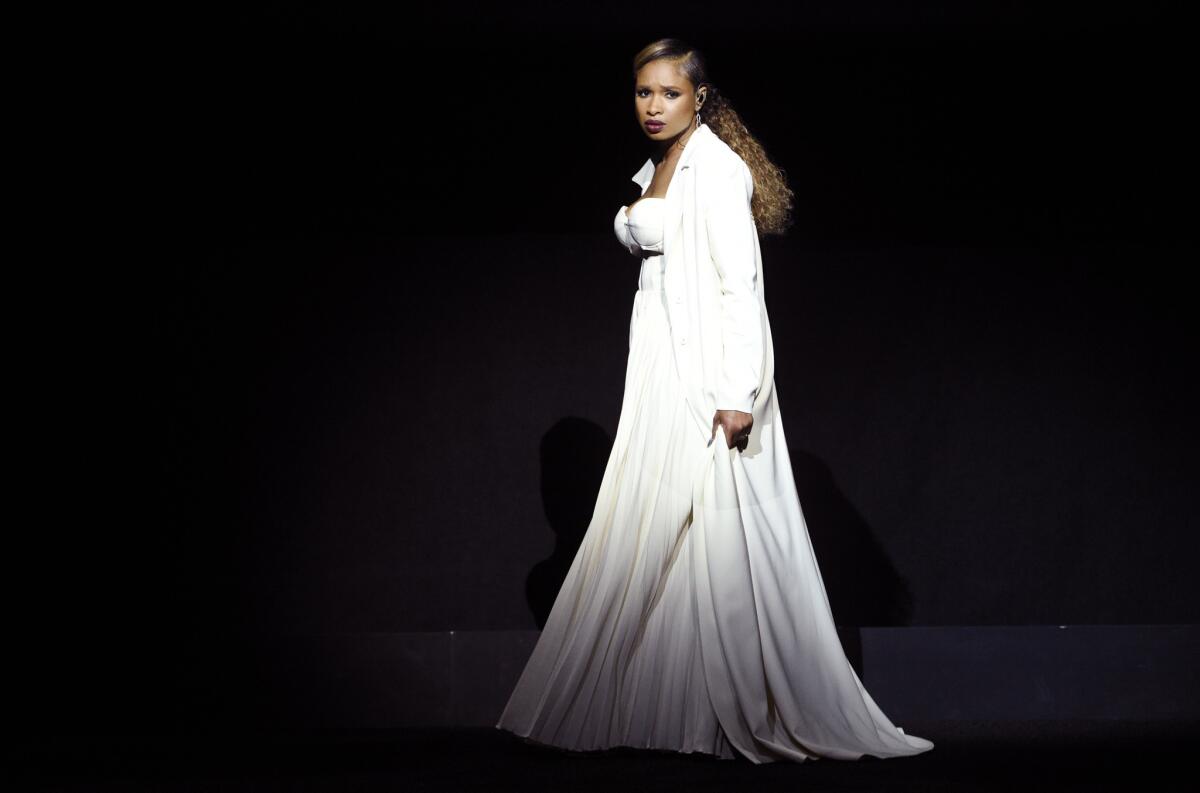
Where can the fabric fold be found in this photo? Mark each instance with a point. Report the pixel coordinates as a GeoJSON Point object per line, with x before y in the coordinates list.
{"type": "Point", "coordinates": [781, 684]}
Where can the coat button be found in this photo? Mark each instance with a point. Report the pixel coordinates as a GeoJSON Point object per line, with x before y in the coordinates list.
{"type": "Point", "coordinates": [683, 339]}
{"type": "Point", "coordinates": [678, 299]}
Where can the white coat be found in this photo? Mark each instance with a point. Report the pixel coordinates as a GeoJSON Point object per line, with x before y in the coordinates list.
{"type": "Point", "coordinates": [713, 281]}
{"type": "Point", "coordinates": [774, 667]}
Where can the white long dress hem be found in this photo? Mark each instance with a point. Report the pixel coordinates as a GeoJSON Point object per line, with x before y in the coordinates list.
{"type": "Point", "coordinates": [694, 617]}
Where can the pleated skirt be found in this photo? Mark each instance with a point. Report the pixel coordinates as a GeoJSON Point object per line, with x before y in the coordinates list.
{"type": "Point", "coordinates": [694, 617]}
{"type": "Point", "coordinates": [618, 662]}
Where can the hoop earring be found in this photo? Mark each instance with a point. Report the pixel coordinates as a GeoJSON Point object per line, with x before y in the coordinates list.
{"type": "Point", "coordinates": [698, 122]}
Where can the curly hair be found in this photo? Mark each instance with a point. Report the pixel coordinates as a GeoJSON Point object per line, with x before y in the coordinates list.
{"type": "Point", "coordinates": [772, 199]}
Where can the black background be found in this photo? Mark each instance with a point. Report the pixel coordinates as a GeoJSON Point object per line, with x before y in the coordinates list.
{"type": "Point", "coordinates": [365, 357]}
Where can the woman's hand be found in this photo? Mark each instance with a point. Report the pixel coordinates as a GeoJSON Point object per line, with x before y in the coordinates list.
{"type": "Point", "coordinates": [736, 426]}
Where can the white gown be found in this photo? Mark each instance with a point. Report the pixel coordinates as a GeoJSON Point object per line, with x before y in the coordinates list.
{"type": "Point", "coordinates": [693, 617]}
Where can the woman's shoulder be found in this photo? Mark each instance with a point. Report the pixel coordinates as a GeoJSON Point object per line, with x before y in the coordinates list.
{"type": "Point", "coordinates": [720, 158]}
{"type": "Point", "coordinates": [722, 169]}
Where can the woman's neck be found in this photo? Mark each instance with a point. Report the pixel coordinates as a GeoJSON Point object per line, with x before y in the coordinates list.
{"type": "Point", "coordinates": [668, 149]}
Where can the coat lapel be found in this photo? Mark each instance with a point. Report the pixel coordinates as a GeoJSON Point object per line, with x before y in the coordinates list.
{"type": "Point", "coordinates": [681, 190]}
{"type": "Point", "coordinates": [646, 174]}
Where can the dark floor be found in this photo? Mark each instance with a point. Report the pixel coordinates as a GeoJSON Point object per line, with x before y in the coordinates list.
{"type": "Point", "coordinates": [967, 756]}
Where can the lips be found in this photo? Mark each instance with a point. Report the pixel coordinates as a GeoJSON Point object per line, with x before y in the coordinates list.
{"type": "Point", "coordinates": [654, 126]}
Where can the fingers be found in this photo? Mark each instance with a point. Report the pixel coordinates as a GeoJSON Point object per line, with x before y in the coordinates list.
{"type": "Point", "coordinates": [729, 441]}
{"type": "Point", "coordinates": [735, 437]}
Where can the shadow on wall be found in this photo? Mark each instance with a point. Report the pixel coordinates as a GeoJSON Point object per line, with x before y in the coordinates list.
{"type": "Point", "coordinates": [864, 587]}
{"type": "Point", "coordinates": [573, 454]}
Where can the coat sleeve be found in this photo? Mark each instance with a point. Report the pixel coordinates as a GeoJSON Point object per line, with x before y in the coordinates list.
{"type": "Point", "coordinates": [732, 237]}
{"type": "Point", "coordinates": [623, 232]}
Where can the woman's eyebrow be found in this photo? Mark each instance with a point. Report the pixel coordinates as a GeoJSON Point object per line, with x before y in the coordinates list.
{"type": "Point", "coordinates": [668, 87]}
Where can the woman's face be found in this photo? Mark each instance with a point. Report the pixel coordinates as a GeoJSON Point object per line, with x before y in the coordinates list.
{"type": "Point", "coordinates": [665, 100]}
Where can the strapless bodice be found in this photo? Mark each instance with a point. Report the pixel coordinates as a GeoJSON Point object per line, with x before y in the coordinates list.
{"type": "Point", "coordinates": [643, 225]}
{"type": "Point", "coordinates": [642, 228]}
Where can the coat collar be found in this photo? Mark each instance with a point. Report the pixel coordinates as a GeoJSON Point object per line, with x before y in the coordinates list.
{"type": "Point", "coordinates": [698, 139]}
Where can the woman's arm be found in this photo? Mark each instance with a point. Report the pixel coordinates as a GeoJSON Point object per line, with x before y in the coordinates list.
{"type": "Point", "coordinates": [732, 238]}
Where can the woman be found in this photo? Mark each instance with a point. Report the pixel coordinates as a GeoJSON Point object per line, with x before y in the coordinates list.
{"type": "Point", "coordinates": [694, 617]}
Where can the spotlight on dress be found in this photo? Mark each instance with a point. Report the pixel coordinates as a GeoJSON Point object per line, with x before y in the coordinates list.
{"type": "Point", "coordinates": [694, 617]}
